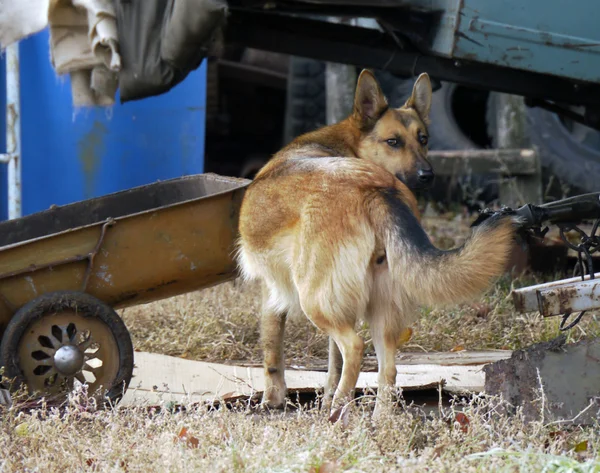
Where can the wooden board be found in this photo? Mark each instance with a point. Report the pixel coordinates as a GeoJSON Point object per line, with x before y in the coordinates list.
{"type": "Point", "coordinates": [161, 378]}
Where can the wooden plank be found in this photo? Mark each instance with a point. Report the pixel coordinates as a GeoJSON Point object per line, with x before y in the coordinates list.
{"type": "Point", "coordinates": [507, 162]}
{"type": "Point", "coordinates": [463, 358]}
{"type": "Point", "coordinates": [161, 378]}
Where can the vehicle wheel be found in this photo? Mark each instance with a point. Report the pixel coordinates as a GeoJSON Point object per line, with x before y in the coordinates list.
{"type": "Point", "coordinates": [65, 337]}
{"type": "Point", "coordinates": [568, 150]}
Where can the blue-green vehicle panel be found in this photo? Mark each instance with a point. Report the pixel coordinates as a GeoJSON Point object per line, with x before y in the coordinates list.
{"type": "Point", "coordinates": [556, 37]}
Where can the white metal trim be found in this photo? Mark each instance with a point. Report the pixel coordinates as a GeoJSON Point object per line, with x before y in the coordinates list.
{"type": "Point", "coordinates": [12, 157]}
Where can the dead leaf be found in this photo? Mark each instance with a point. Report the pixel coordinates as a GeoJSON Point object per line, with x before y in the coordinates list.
{"type": "Point", "coordinates": [581, 446]}
{"type": "Point", "coordinates": [458, 348]}
{"type": "Point", "coordinates": [190, 440]}
{"type": "Point", "coordinates": [555, 435]}
{"type": "Point", "coordinates": [559, 434]}
{"type": "Point", "coordinates": [405, 336]}
{"type": "Point", "coordinates": [481, 310]}
{"type": "Point", "coordinates": [463, 421]}
{"type": "Point", "coordinates": [341, 414]}
{"type": "Point", "coordinates": [437, 451]}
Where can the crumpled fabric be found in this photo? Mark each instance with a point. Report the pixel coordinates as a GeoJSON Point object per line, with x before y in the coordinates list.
{"type": "Point", "coordinates": [142, 47]}
{"type": "Point", "coordinates": [162, 41]}
{"type": "Point", "coordinates": [83, 42]}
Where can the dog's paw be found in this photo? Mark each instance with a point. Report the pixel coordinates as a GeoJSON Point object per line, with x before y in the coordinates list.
{"type": "Point", "coordinates": [274, 398]}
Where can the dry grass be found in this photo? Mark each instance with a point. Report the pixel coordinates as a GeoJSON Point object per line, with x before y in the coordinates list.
{"type": "Point", "coordinates": [133, 440]}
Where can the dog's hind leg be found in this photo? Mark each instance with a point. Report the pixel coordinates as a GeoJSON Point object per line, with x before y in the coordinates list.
{"type": "Point", "coordinates": [385, 341]}
{"type": "Point", "coordinates": [334, 371]}
{"type": "Point", "coordinates": [272, 331]}
{"type": "Point", "coordinates": [351, 347]}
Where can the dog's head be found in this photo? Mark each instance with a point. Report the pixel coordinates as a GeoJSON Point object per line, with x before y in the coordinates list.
{"type": "Point", "coordinates": [395, 138]}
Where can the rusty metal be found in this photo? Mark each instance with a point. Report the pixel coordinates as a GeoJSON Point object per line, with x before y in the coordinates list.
{"type": "Point", "coordinates": [582, 297]}
{"type": "Point", "coordinates": [569, 298]}
{"type": "Point", "coordinates": [526, 300]}
{"type": "Point", "coordinates": [172, 237]}
{"type": "Point", "coordinates": [95, 251]}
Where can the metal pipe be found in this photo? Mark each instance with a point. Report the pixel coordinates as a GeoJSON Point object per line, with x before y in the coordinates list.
{"type": "Point", "coordinates": [13, 130]}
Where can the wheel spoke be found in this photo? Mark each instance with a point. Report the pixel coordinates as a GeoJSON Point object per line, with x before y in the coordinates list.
{"type": "Point", "coordinates": [85, 344]}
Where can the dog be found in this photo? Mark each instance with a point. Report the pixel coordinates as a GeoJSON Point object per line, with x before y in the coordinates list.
{"type": "Point", "coordinates": [332, 229]}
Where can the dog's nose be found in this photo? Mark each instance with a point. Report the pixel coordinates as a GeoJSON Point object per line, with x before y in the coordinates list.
{"type": "Point", "coordinates": [425, 176]}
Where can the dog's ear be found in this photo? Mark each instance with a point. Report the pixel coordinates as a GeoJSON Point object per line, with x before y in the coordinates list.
{"type": "Point", "coordinates": [369, 101]}
{"type": "Point", "coordinates": [420, 99]}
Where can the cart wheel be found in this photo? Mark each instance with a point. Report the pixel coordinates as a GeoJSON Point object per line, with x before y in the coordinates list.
{"type": "Point", "coordinates": [66, 337]}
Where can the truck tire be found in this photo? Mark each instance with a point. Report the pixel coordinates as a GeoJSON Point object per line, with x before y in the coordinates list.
{"type": "Point", "coordinates": [305, 107]}
{"type": "Point", "coordinates": [306, 96]}
{"type": "Point", "coordinates": [568, 150]}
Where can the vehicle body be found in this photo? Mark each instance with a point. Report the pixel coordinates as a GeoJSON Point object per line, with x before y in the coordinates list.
{"type": "Point", "coordinates": [64, 271]}
{"type": "Point", "coordinates": [547, 52]}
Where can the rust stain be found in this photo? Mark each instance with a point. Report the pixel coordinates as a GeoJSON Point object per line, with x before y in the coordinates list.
{"type": "Point", "coordinates": [519, 301]}
{"type": "Point", "coordinates": [91, 148]}
{"type": "Point", "coordinates": [564, 297]}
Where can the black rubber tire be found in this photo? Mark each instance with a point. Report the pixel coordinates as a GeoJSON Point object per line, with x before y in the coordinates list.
{"type": "Point", "coordinates": [573, 162]}
{"type": "Point", "coordinates": [85, 305]}
{"type": "Point", "coordinates": [305, 101]}
{"type": "Point", "coordinates": [306, 96]}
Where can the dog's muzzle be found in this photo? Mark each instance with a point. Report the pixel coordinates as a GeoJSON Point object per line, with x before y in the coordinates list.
{"type": "Point", "coordinates": [425, 177]}
{"type": "Point", "coordinates": [419, 181]}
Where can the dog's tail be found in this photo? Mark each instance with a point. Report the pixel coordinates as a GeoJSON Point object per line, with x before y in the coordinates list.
{"type": "Point", "coordinates": [428, 275]}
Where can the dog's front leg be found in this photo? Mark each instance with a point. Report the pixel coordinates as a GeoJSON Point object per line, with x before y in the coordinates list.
{"type": "Point", "coordinates": [352, 348]}
{"type": "Point", "coordinates": [272, 332]}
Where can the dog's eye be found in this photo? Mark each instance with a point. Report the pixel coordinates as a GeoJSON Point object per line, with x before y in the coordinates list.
{"type": "Point", "coordinates": [393, 142]}
{"type": "Point", "coordinates": [423, 139]}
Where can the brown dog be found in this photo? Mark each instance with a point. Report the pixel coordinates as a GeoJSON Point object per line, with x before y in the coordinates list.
{"type": "Point", "coordinates": [338, 238]}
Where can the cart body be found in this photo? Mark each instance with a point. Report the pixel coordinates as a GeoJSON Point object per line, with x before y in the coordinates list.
{"type": "Point", "coordinates": [126, 248]}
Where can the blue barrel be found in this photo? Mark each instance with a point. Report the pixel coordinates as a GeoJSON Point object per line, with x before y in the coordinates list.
{"type": "Point", "coordinates": [70, 155]}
